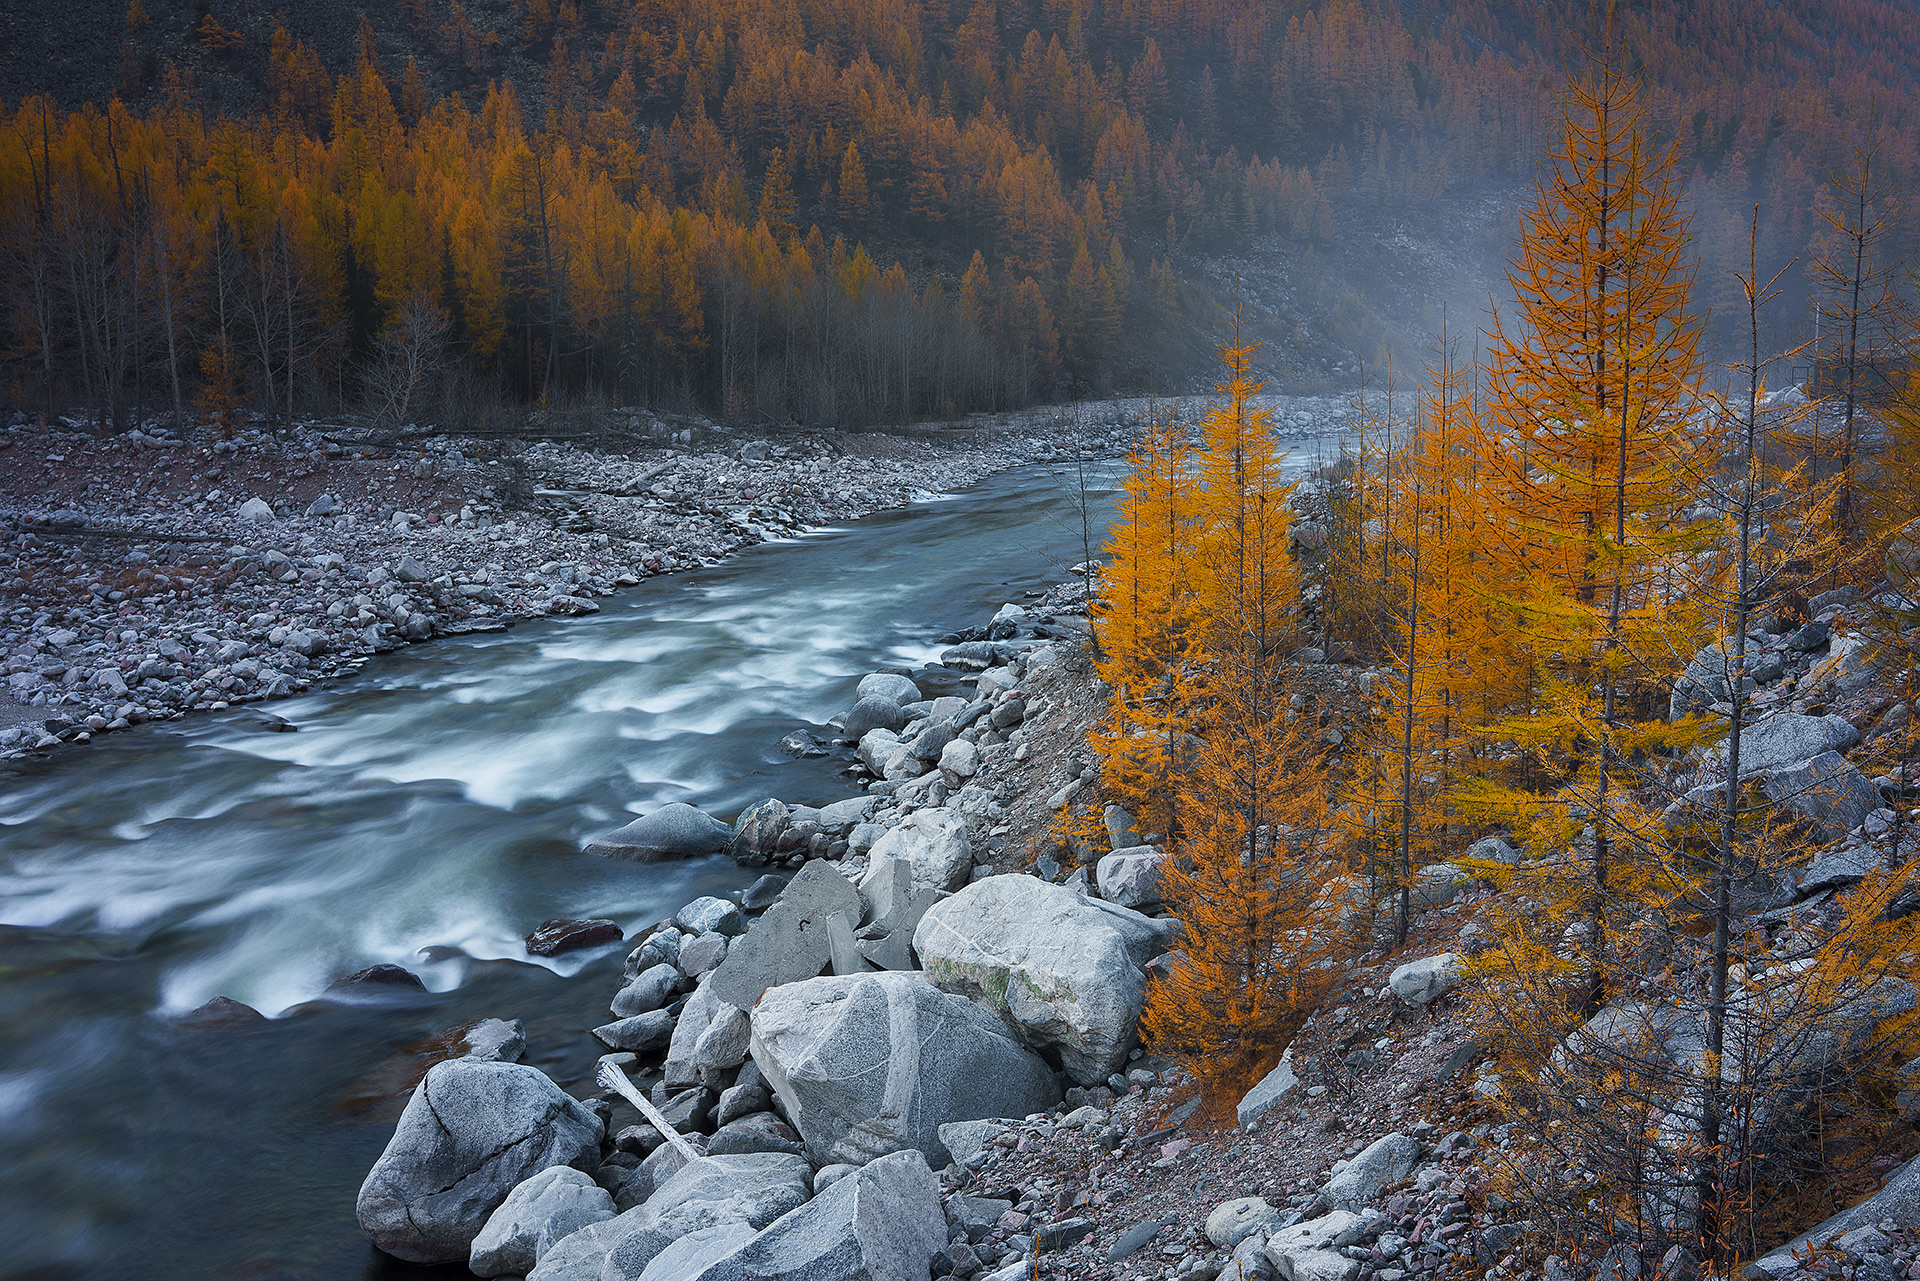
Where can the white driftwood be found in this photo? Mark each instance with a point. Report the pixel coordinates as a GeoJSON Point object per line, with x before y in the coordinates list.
{"type": "Point", "coordinates": [614, 1079]}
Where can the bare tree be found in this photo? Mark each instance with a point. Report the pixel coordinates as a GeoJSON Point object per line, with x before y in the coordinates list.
{"type": "Point", "coordinates": [405, 362]}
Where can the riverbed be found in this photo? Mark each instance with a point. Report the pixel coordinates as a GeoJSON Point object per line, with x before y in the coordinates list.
{"type": "Point", "coordinates": [427, 812]}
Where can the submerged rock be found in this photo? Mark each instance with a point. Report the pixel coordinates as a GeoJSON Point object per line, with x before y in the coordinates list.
{"type": "Point", "coordinates": [673, 831]}
{"type": "Point", "coordinates": [564, 934]}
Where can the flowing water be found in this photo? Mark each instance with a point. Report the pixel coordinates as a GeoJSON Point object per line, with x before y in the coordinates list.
{"type": "Point", "coordinates": [428, 812]}
{"type": "Point", "coordinates": [432, 806]}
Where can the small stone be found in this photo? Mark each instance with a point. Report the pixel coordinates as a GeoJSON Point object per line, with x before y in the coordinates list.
{"type": "Point", "coordinates": [709, 915]}
{"type": "Point", "coordinates": [565, 934]}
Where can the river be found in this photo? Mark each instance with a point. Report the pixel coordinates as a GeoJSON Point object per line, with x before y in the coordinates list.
{"type": "Point", "coordinates": [431, 806]}
{"type": "Point", "coordinates": [428, 812]}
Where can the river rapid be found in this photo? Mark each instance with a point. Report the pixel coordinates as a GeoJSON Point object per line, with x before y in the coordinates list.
{"type": "Point", "coordinates": [428, 812]}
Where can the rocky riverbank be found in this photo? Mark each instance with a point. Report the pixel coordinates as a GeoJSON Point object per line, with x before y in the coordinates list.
{"type": "Point", "coordinates": [144, 577]}
{"type": "Point", "coordinates": [912, 1046]}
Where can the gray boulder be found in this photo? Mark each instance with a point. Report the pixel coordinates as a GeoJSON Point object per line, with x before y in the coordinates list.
{"type": "Point", "coordinates": [870, 1064]}
{"type": "Point", "coordinates": [673, 831]}
{"type": "Point", "coordinates": [930, 742]}
{"type": "Point", "coordinates": [1121, 832]}
{"type": "Point", "coordinates": [646, 991]}
{"type": "Point", "coordinates": [895, 688]}
{"type": "Point", "coordinates": [1849, 667]}
{"type": "Point", "coordinates": [697, 1254]}
{"type": "Point", "coordinates": [1898, 1200]}
{"type": "Point", "coordinates": [960, 758]}
{"type": "Point", "coordinates": [1493, 849]}
{"type": "Point", "coordinates": [641, 1034]}
{"type": "Point", "coordinates": [895, 907]}
{"type": "Point", "coordinates": [933, 842]}
{"type": "Point", "coordinates": [1386, 1160]}
{"type": "Point", "coordinates": [1787, 739]}
{"type": "Point", "coordinates": [580, 1255]}
{"type": "Point", "coordinates": [704, 952]}
{"type": "Point", "coordinates": [1703, 682]}
{"type": "Point", "coordinates": [1835, 868]}
{"type": "Point", "coordinates": [1427, 979]}
{"type": "Point", "coordinates": [710, 915]}
{"type": "Point", "coordinates": [1233, 1221]}
{"type": "Point", "coordinates": [755, 1132]}
{"type": "Point", "coordinates": [965, 1140]}
{"type": "Point", "coordinates": [1305, 1251]}
{"type": "Point", "coordinates": [502, 1039]}
{"type": "Point", "coordinates": [662, 947]}
{"type": "Point", "coordinates": [883, 1222]}
{"type": "Point", "coordinates": [472, 1132]}
{"type": "Point", "coordinates": [724, 1043]}
{"type": "Point", "coordinates": [876, 748]}
{"type": "Point", "coordinates": [752, 1189]}
{"type": "Point", "coordinates": [255, 511]}
{"type": "Point", "coordinates": [1130, 876]}
{"type": "Point", "coordinates": [1063, 970]}
{"type": "Point", "coordinates": [788, 943]}
{"type": "Point", "coordinates": [841, 816]}
{"type": "Point", "coordinates": [756, 833]}
{"type": "Point", "coordinates": [1826, 791]}
{"type": "Point", "coordinates": [870, 714]}
{"type": "Point", "coordinates": [552, 1204]}
{"type": "Point", "coordinates": [1273, 1087]}
{"type": "Point", "coordinates": [682, 1067]}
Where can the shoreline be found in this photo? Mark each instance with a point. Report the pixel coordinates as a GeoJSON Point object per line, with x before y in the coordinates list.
{"type": "Point", "coordinates": [150, 578]}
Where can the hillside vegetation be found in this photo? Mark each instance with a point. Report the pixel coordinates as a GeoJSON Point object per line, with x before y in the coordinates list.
{"type": "Point", "coordinates": [849, 213]}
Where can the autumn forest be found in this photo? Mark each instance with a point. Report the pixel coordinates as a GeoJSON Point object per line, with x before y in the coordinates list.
{"type": "Point", "coordinates": [814, 213]}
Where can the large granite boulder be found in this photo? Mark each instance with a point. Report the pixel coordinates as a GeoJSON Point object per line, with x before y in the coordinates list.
{"type": "Point", "coordinates": [876, 748]}
{"type": "Point", "coordinates": [1827, 792]}
{"type": "Point", "coordinates": [875, 1063]}
{"type": "Point", "coordinates": [1273, 1087]}
{"type": "Point", "coordinates": [870, 714]}
{"type": "Point", "coordinates": [753, 1189]}
{"type": "Point", "coordinates": [933, 842]}
{"type": "Point", "coordinates": [673, 831]}
{"type": "Point", "coordinates": [1306, 1251]}
{"type": "Point", "coordinates": [1703, 682]}
{"type": "Point", "coordinates": [1787, 739]}
{"type": "Point", "coordinates": [1427, 979]}
{"type": "Point", "coordinates": [472, 1132]}
{"type": "Point", "coordinates": [1063, 970]}
{"type": "Point", "coordinates": [696, 1016]}
{"type": "Point", "coordinates": [1851, 663]}
{"type": "Point", "coordinates": [789, 942]}
{"type": "Point", "coordinates": [895, 688]}
{"type": "Point", "coordinates": [1130, 875]}
{"type": "Point", "coordinates": [554, 1203]}
{"type": "Point", "coordinates": [882, 1222]}
{"type": "Point", "coordinates": [756, 833]}
{"type": "Point", "coordinates": [1387, 1159]}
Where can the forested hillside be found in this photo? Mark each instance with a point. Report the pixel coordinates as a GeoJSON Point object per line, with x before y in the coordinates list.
{"type": "Point", "coordinates": [852, 212]}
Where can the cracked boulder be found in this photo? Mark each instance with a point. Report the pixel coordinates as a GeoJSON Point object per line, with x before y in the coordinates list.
{"type": "Point", "coordinates": [876, 1063]}
{"type": "Point", "coordinates": [1063, 970]}
{"type": "Point", "coordinates": [472, 1132]}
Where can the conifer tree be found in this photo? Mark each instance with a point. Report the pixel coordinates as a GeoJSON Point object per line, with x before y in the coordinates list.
{"type": "Point", "coordinates": [1248, 876]}
{"type": "Point", "coordinates": [1592, 385]}
{"type": "Point", "coordinates": [1442, 650]}
{"type": "Point", "coordinates": [1147, 623]}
